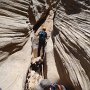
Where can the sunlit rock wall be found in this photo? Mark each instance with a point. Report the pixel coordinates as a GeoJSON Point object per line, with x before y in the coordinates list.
{"type": "Point", "coordinates": [13, 27]}
{"type": "Point", "coordinates": [15, 48]}
{"type": "Point", "coordinates": [71, 38]}
{"type": "Point", "coordinates": [14, 30]}
{"type": "Point", "coordinates": [15, 40]}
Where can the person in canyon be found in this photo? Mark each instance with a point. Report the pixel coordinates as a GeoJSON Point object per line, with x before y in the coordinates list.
{"type": "Point", "coordinates": [56, 86]}
{"type": "Point", "coordinates": [37, 65]}
{"type": "Point", "coordinates": [45, 84]}
{"type": "Point", "coordinates": [42, 41]}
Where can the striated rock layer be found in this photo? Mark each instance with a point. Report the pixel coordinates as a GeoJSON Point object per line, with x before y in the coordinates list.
{"type": "Point", "coordinates": [15, 50]}
{"type": "Point", "coordinates": [71, 38]}
{"type": "Point", "coordinates": [68, 53]}
{"type": "Point", "coordinates": [15, 40]}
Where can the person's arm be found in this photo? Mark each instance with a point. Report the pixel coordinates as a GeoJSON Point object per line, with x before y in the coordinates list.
{"type": "Point", "coordinates": [59, 87]}
{"type": "Point", "coordinates": [46, 35]}
{"type": "Point", "coordinates": [63, 88]}
{"type": "Point", "coordinates": [50, 88]}
{"type": "Point", "coordinates": [37, 34]}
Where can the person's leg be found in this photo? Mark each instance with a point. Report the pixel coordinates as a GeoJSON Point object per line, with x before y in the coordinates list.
{"type": "Point", "coordinates": [40, 68]}
{"type": "Point", "coordinates": [43, 49]}
{"type": "Point", "coordinates": [39, 49]}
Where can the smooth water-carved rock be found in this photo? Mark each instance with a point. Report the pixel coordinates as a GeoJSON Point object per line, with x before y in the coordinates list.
{"type": "Point", "coordinates": [13, 27]}
{"type": "Point", "coordinates": [15, 45]}
{"type": "Point", "coordinates": [15, 40]}
{"type": "Point", "coordinates": [71, 38]}
{"type": "Point", "coordinates": [72, 43]}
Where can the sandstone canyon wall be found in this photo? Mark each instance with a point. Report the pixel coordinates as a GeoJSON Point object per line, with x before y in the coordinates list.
{"type": "Point", "coordinates": [71, 38]}
{"type": "Point", "coordinates": [69, 42]}
{"type": "Point", "coordinates": [15, 45]}
{"type": "Point", "coordinates": [15, 40]}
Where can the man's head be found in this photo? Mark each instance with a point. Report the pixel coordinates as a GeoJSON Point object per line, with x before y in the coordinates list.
{"type": "Point", "coordinates": [44, 29]}
{"type": "Point", "coordinates": [45, 83]}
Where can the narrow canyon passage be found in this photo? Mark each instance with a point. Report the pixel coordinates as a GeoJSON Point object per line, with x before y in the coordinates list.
{"type": "Point", "coordinates": [33, 77]}
{"type": "Point", "coordinates": [67, 53]}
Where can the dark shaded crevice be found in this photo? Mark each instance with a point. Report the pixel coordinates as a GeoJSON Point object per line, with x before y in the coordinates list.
{"type": "Point", "coordinates": [21, 2]}
{"type": "Point", "coordinates": [45, 67]}
{"type": "Point", "coordinates": [6, 15]}
{"type": "Point", "coordinates": [28, 75]}
{"type": "Point", "coordinates": [44, 15]}
{"type": "Point", "coordinates": [31, 16]}
{"type": "Point", "coordinates": [41, 20]}
{"type": "Point", "coordinates": [87, 2]}
{"type": "Point", "coordinates": [42, 1]}
{"type": "Point", "coordinates": [71, 6]}
{"type": "Point", "coordinates": [64, 76]}
{"type": "Point", "coordinates": [14, 6]}
{"type": "Point", "coordinates": [74, 6]}
{"type": "Point", "coordinates": [15, 10]}
{"type": "Point", "coordinates": [54, 33]}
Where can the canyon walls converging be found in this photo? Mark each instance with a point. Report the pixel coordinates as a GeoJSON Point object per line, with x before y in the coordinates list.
{"type": "Point", "coordinates": [69, 51]}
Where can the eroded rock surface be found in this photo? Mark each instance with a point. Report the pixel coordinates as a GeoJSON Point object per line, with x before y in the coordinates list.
{"type": "Point", "coordinates": [15, 41]}
{"type": "Point", "coordinates": [71, 37]}
{"type": "Point", "coordinates": [15, 50]}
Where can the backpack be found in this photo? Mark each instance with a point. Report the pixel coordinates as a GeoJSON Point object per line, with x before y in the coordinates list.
{"type": "Point", "coordinates": [42, 35]}
{"type": "Point", "coordinates": [54, 87]}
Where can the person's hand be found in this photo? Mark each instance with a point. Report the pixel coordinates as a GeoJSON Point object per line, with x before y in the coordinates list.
{"type": "Point", "coordinates": [46, 43]}
{"type": "Point", "coordinates": [50, 88]}
{"type": "Point", "coordinates": [59, 87]}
